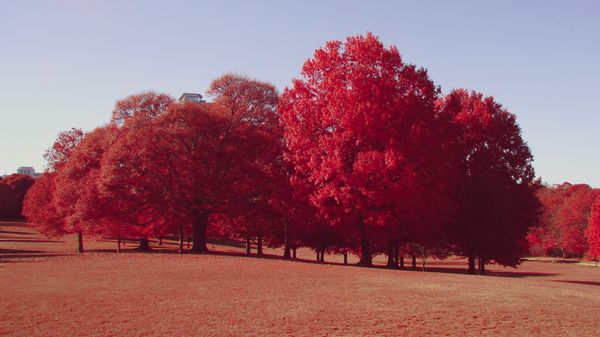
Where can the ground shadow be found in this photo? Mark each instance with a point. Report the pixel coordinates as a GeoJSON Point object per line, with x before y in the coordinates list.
{"type": "Point", "coordinates": [37, 240]}
{"type": "Point", "coordinates": [16, 233]}
{"type": "Point", "coordinates": [589, 283]}
{"type": "Point", "coordinates": [17, 255]}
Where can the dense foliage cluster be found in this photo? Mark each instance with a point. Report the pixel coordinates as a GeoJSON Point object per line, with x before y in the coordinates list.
{"type": "Point", "coordinates": [13, 189]}
{"type": "Point", "coordinates": [566, 216]}
{"type": "Point", "coordinates": [361, 155]}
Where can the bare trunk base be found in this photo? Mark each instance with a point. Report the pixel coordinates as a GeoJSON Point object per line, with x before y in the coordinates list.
{"type": "Point", "coordinates": [180, 248]}
{"type": "Point", "coordinates": [79, 242]}
{"type": "Point", "coordinates": [259, 246]}
{"type": "Point", "coordinates": [144, 245]}
{"type": "Point", "coordinates": [481, 266]}
{"type": "Point", "coordinates": [365, 253]}
{"type": "Point", "coordinates": [472, 264]}
{"type": "Point", "coordinates": [199, 226]}
{"type": "Point", "coordinates": [248, 245]}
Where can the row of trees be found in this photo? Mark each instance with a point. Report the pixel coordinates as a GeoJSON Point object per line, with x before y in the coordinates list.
{"type": "Point", "coordinates": [362, 155]}
{"type": "Point", "coordinates": [13, 189]}
{"type": "Point", "coordinates": [566, 215]}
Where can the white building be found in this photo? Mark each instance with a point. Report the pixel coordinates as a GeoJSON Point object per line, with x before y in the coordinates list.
{"type": "Point", "coordinates": [28, 170]}
{"type": "Point", "coordinates": [191, 97]}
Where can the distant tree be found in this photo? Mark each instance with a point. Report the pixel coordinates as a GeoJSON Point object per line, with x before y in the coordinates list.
{"type": "Point", "coordinates": [8, 202]}
{"type": "Point", "coordinates": [496, 191]}
{"type": "Point", "coordinates": [573, 217]}
{"type": "Point", "coordinates": [359, 130]}
{"type": "Point", "coordinates": [19, 183]}
{"type": "Point", "coordinates": [565, 214]}
{"type": "Point", "coordinates": [146, 105]}
{"type": "Point", "coordinates": [593, 231]}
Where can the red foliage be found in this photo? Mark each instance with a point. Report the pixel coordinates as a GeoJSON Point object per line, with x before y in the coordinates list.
{"type": "Point", "coordinates": [39, 207]}
{"type": "Point", "coordinates": [497, 201]}
{"type": "Point", "coordinates": [77, 196]}
{"type": "Point", "coordinates": [565, 217]}
{"type": "Point", "coordinates": [13, 200]}
{"type": "Point", "coordinates": [593, 231]}
{"type": "Point", "coordinates": [147, 105]}
{"type": "Point", "coordinates": [358, 127]}
{"type": "Point", "coordinates": [8, 202]}
{"type": "Point", "coordinates": [58, 154]}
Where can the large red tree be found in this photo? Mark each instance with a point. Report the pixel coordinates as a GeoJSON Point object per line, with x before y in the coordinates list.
{"type": "Point", "coordinates": [496, 189]}
{"type": "Point", "coordinates": [361, 132]}
{"type": "Point", "coordinates": [593, 231]}
{"type": "Point", "coordinates": [193, 160]}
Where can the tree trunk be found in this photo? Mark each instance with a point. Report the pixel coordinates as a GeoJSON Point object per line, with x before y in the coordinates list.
{"type": "Point", "coordinates": [414, 262]}
{"type": "Point", "coordinates": [259, 245]}
{"type": "Point", "coordinates": [248, 252]}
{"type": "Point", "coordinates": [345, 257]}
{"type": "Point", "coordinates": [401, 262]}
{"type": "Point", "coordinates": [390, 255]}
{"type": "Point", "coordinates": [365, 251]}
{"type": "Point", "coordinates": [79, 242]}
{"type": "Point", "coordinates": [118, 244]}
{"type": "Point", "coordinates": [160, 241]}
{"type": "Point", "coordinates": [144, 245]}
{"type": "Point", "coordinates": [199, 226]}
{"type": "Point", "coordinates": [294, 253]}
{"type": "Point", "coordinates": [318, 252]}
{"type": "Point", "coordinates": [471, 264]}
{"type": "Point", "coordinates": [180, 240]}
{"type": "Point", "coordinates": [481, 266]}
{"type": "Point", "coordinates": [396, 255]}
{"type": "Point", "coordinates": [287, 251]}
{"type": "Point", "coordinates": [322, 255]}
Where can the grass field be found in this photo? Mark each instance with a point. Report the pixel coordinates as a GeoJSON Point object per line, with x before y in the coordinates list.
{"type": "Point", "coordinates": [47, 290]}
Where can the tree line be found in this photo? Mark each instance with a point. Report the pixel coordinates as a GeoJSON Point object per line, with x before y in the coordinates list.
{"type": "Point", "coordinates": [568, 226]}
{"type": "Point", "coordinates": [13, 189]}
{"type": "Point", "coordinates": [361, 155]}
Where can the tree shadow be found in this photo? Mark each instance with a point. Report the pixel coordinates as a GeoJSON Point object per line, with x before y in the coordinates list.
{"type": "Point", "coordinates": [18, 255]}
{"type": "Point", "coordinates": [589, 283]}
{"type": "Point", "coordinates": [36, 240]}
{"type": "Point", "coordinates": [16, 233]}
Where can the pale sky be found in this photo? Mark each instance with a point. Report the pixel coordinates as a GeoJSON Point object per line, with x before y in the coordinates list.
{"type": "Point", "coordinates": [64, 63]}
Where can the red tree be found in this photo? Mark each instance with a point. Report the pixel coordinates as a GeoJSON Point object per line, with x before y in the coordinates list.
{"type": "Point", "coordinates": [359, 128]}
{"type": "Point", "coordinates": [593, 231]}
{"type": "Point", "coordinates": [19, 183]}
{"type": "Point", "coordinates": [8, 202]}
{"type": "Point", "coordinates": [496, 191]}
{"type": "Point", "coordinates": [77, 195]}
{"type": "Point", "coordinates": [194, 160]}
{"type": "Point", "coordinates": [572, 218]}
{"type": "Point", "coordinates": [40, 208]}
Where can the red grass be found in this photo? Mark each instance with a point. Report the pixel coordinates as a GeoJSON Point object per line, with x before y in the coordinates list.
{"type": "Point", "coordinates": [152, 294]}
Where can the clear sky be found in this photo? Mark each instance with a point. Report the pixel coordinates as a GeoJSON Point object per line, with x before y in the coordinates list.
{"type": "Point", "coordinates": [64, 63]}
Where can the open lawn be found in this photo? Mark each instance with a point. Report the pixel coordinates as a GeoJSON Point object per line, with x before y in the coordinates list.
{"type": "Point", "coordinates": [48, 290]}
